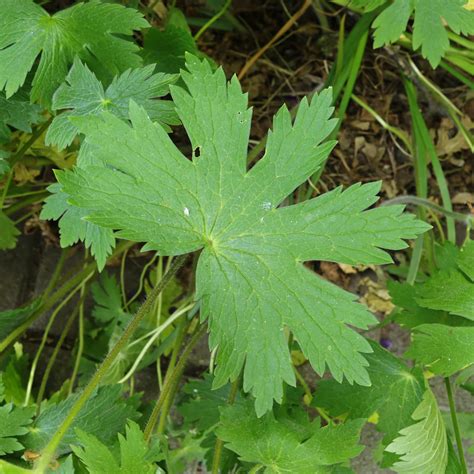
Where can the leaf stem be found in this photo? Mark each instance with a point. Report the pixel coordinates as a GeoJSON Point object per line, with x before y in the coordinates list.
{"type": "Point", "coordinates": [212, 20]}
{"type": "Point", "coordinates": [216, 459]}
{"type": "Point", "coordinates": [454, 419]}
{"type": "Point", "coordinates": [173, 380]}
{"type": "Point", "coordinates": [182, 329]}
{"type": "Point", "coordinates": [51, 447]}
{"type": "Point", "coordinates": [52, 359]}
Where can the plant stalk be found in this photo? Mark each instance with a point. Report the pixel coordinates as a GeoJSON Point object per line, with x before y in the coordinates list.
{"type": "Point", "coordinates": [172, 381]}
{"type": "Point", "coordinates": [50, 449]}
{"type": "Point", "coordinates": [216, 460]}
{"type": "Point", "coordinates": [454, 419]}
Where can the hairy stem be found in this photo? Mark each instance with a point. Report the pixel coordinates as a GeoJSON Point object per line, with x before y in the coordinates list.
{"type": "Point", "coordinates": [52, 359]}
{"type": "Point", "coordinates": [216, 460]}
{"type": "Point", "coordinates": [182, 328]}
{"type": "Point", "coordinates": [51, 447]}
{"type": "Point", "coordinates": [172, 381]}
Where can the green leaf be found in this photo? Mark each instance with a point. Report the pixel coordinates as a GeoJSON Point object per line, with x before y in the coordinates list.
{"type": "Point", "coordinates": [167, 48]}
{"type": "Point", "coordinates": [392, 22]}
{"type": "Point", "coordinates": [108, 300]}
{"type": "Point", "coordinates": [14, 376]}
{"type": "Point", "coordinates": [17, 112]}
{"type": "Point", "coordinates": [395, 392]}
{"type": "Point", "coordinates": [249, 244]}
{"type": "Point", "coordinates": [103, 415]}
{"type": "Point", "coordinates": [14, 422]}
{"type": "Point", "coordinates": [202, 408]}
{"type": "Point", "coordinates": [429, 30]}
{"type": "Point", "coordinates": [93, 31]}
{"type": "Point", "coordinates": [466, 426]}
{"type": "Point", "coordinates": [448, 290]}
{"type": "Point", "coordinates": [74, 228]}
{"type": "Point", "coordinates": [8, 232]}
{"type": "Point", "coordinates": [83, 94]}
{"type": "Point", "coordinates": [135, 454]}
{"type": "Point", "coordinates": [4, 164]}
{"type": "Point", "coordinates": [8, 468]}
{"type": "Point", "coordinates": [465, 260]}
{"type": "Point", "coordinates": [12, 318]}
{"type": "Point", "coordinates": [423, 446]}
{"type": "Point", "coordinates": [279, 448]}
{"type": "Point", "coordinates": [201, 412]}
{"type": "Point", "coordinates": [445, 350]}
{"type": "Point", "coordinates": [410, 314]}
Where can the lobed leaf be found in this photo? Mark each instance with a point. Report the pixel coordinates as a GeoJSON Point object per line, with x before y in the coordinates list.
{"type": "Point", "coordinates": [445, 350]}
{"type": "Point", "coordinates": [395, 392]}
{"type": "Point", "coordinates": [14, 422]}
{"type": "Point", "coordinates": [93, 31]}
{"type": "Point", "coordinates": [106, 404]}
{"type": "Point", "coordinates": [424, 445]}
{"type": "Point", "coordinates": [279, 447]}
{"type": "Point", "coordinates": [135, 454]}
{"type": "Point", "coordinates": [73, 228]}
{"type": "Point", "coordinates": [83, 94]}
{"type": "Point", "coordinates": [150, 192]}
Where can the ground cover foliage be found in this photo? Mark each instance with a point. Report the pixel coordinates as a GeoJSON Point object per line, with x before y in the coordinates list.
{"type": "Point", "coordinates": [260, 217]}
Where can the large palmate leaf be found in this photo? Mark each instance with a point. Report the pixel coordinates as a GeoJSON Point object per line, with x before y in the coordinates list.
{"type": "Point", "coordinates": [84, 94]}
{"type": "Point", "coordinates": [430, 20]}
{"type": "Point", "coordinates": [250, 277]}
{"type": "Point", "coordinates": [424, 445]}
{"type": "Point", "coordinates": [93, 31]}
{"type": "Point", "coordinates": [280, 447]}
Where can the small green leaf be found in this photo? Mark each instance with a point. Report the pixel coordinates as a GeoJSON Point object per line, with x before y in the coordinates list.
{"type": "Point", "coordinates": [135, 454]}
{"type": "Point", "coordinates": [279, 448]}
{"type": "Point", "coordinates": [8, 232]}
{"type": "Point", "coordinates": [392, 22]}
{"type": "Point", "coordinates": [445, 350]}
{"type": "Point", "coordinates": [202, 407]}
{"type": "Point", "coordinates": [395, 392]}
{"type": "Point", "coordinates": [167, 48]}
{"type": "Point", "coordinates": [14, 422]}
{"type": "Point", "coordinates": [17, 112]}
{"type": "Point", "coordinates": [108, 300]}
{"type": "Point", "coordinates": [465, 260]}
{"type": "Point", "coordinates": [423, 447]}
{"type": "Point", "coordinates": [83, 95]}
{"type": "Point", "coordinates": [74, 228]}
{"type": "Point", "coordinates": [95, 32]}
{"type": "Point", "coordinates": [103, 416]}
{"type": "Point", "coordinates": [4, 164]}
{"type": "Point", "coordinates": [429, 29]}
{"type": "Point", "coordinates": [12, 318]}
{"type": "Point", "coordinates": [448, 290]}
